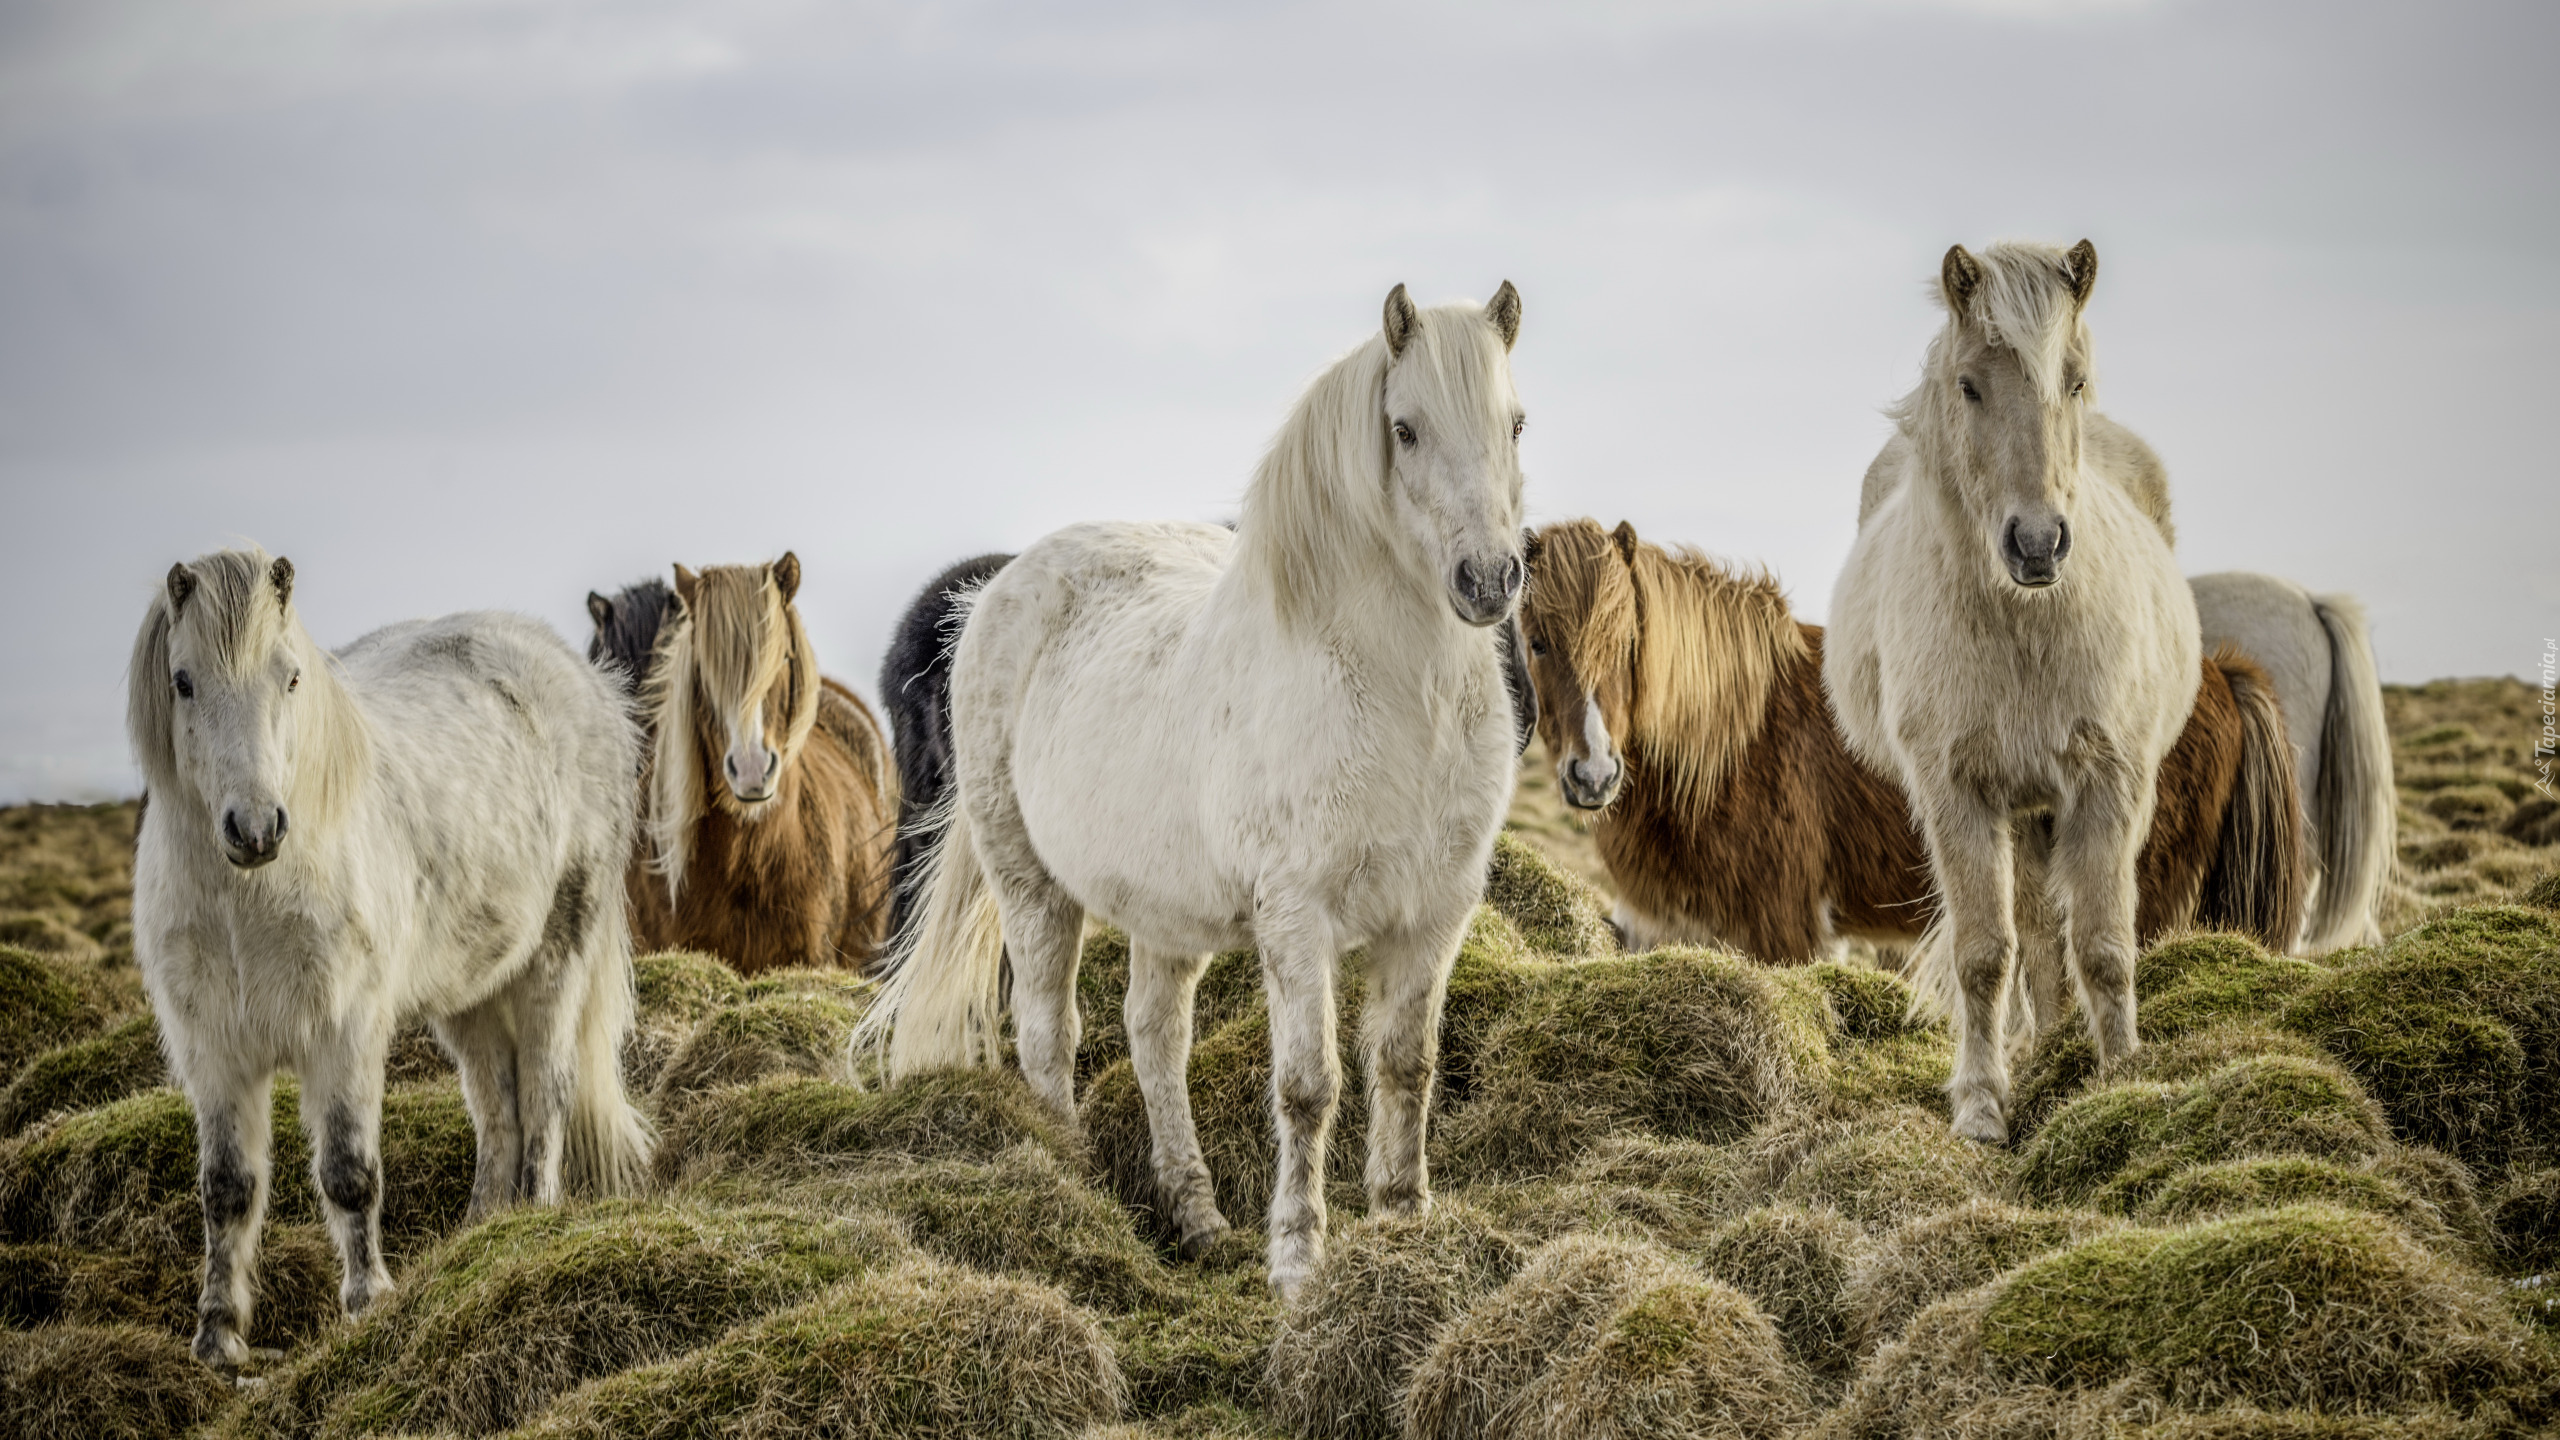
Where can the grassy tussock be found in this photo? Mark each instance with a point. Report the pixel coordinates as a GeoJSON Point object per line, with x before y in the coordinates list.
{"type": "Point", "coordinates": [921, 1352]}
{"type": "Point", "coordinates": [520, 1310]}
{"type": "Point", "coordinates": [1917, 1264]}
{"type": "Point", "coordinates": [789, 1125]}
{"type": "Point", "coordinates": [676, 990]}
{"type": "Point", "coordinates": [1883, 1169]}
{"type": "Point", "coordinates": [2113, 1147]}
{"type": "Point", "coordinates": [1684, 1043]}
{"type": "Point", "coordinates": [1469, 1384]}
{"type": "Point", "coordinates": [1214, 1421]}
{"type": "Point", "coordinates": [39, 1008]}
{"type": "Point", "coordinates": [787, 1034]}
{"type": "Point", "coordinates": [1553, 911]}
{"type": "Point", "coordinates": [124, 1061]}
{"type": "Point", "coordinates": [296, 1287]}
{"type": "Point", "coordinates": [1691, 1357]}
{"type": "Point", "coordinates": [103, 1382]}
{"type": "Point", "coordinates": [1209, 1342]}
{"type": "Point", "coordinates": [2236, 1186]}
{"type": "Point", "coordinates": [1365, 1317]}
{"type": "Point", "coordinates": [2303, 1307]}
{"type": "Point", "coordinates": [2526, 1213]}
{"type": "Point", "coordinates": [1794, 1263]}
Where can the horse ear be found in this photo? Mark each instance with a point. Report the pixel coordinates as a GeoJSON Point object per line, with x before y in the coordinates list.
{"type": "Point", "coordinates": [786, 575]}
{"type": "Point", "coordinates": [688, 585]}
{"type": "Point", "coordinates": [281, 573]}
{"type": "Point", "coordinates": [2082, 262]}
{"type": "Point", "coordinates": [1959, 275]}
{"type": "Point", "coordinates": [1532, 545]}
{"type": "Point", "coordinates": [1504, 311]}
{"type": "Point", "coordinates": [600, 610]}
{"type": "Point", "coordinates": [1400, 319]}
{"type": "Point", "coordinates": [1625, 535]}
{"type": "Point", "coordinates": [181, 584]}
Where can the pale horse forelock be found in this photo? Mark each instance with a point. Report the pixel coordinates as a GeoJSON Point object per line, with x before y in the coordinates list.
{"type": "Point", "coordinates": [2024, 303]}
{"type": "Point", "coordinates": [1317, 507]}
{"type": "Point", "coordinates": [234, 619]}
{"type": "Point", "coordinates": [737, 640]}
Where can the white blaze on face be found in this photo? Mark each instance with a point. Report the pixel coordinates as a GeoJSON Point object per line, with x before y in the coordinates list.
{"type": "Point", "coordinates": [749, 763]}
{"type": "Point", "coordinates": [1597, 767]}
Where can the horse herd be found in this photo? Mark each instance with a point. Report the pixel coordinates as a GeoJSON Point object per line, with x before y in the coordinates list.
{"type": "Point", "coordinates": [2012, 755]}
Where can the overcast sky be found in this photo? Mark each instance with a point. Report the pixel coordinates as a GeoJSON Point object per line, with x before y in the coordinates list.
{"type": "Point", "coordinates": [473, 303]}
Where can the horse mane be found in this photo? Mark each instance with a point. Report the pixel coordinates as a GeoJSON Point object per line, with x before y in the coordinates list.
{"type": "Point", "coordinates": [224, 613]}
{"type": "Point", "coordinates": [628, 638]}
{"type": "Point", "coordinates": [715, 641]}
{"type": "Point", "coordinates": [1708, 643]}
{"type": "Point", "coordinates": [1318, 506]}
{"type": "Point", "coordinates": [2026, 302]}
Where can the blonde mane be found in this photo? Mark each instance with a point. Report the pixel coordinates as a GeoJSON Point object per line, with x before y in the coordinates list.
{"type": "Point", "coordinates": [2027, 303]}
{"type": "Point", "coordinates": [733, 637]}
{"type": "Point", "coordinates": [228, 615]}
{"type": "Point", "coordinates": [1707, 644]}
{"type": "Point", "coordinates": [1317, 507]}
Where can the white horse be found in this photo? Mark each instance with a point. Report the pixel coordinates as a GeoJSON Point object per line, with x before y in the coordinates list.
{"type": "Point", "coordinates": [1294, 736]}
{"type": "Point", "coordinates": [431, 822]}
{"type": "Point", "coordinates": [2012, 640]}
{"type": "Point", "coordinates": [2315, 650]}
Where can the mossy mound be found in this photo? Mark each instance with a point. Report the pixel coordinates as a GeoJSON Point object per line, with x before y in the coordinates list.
{"type": "Point", "coordinates": [1870, 1004]}
{"type": "Point", "coordinates": [1469, 1383]}
{"type": "Point", "coordinates": [1213, 1421]}
{"type": "Point", "coordinates": [1348, 1343]}
{"type": "Point", "coordinates": [2235, 1186]}
{"type": "Point", "coordinates": [124, 1175]}
{"type": "Point", "coordinates": [777, 1035]}
{"type": "Point", "coordinates": [2113, 1147]}
{"type": "Point", "coordinates": [1542, 1210]}
{"type": "Point", "coordinates": [2543, 893]}
{"type": "Point", "coordinates": [2525, 1212]}
{"type": "Point", "coordinates": [51, 936]}
{"type": "Point", "coordinates": [1209, 1343]}
{"type": "Point", "coordinates": [2307, 1307]}
{"type": "Point", "coordinates": [1691, 1357]}
{"type": "Point", "coordinates": [1895, 1166]}
{"type": "Point", "coordinates": [1794, 1263]}
{"type": "Point", "coordinates": [921, 1353]}
{"type": "Point", "coordinates": [40, 1008]}
{"type": "Point", "coordinates": [823, 982]}
{"type": "Point", "coordinates": [1688, 1044]}
{"type": "Point", "coordinates": [1917, 1264]}
{"type": "Point", "coordinates": [1230, 1083]}
{"type": "Point", "coordinates": [2455, 1028]}
{"type": "Point", "coordinates": [519, 1310]}
{"type": "Point", "coordinates": [2181, 986]}
{"type": "Point", "coordinates": [1552, 911]}
{"type": "Point", "coordinates": [801, 1125]}
{"type": "Point", "coordinates": [296, 1287]}
{"type": "Point", "coordinates": [676, 990]}
{"type": "Point", "coordinates": [2249, 1423]}
{"type": "Point", "coordinates": [2469, 807]}
{"type": "Point", "coordinates": [85, 1073]}
{"type": "Point", "coordinates": [111, 1382]}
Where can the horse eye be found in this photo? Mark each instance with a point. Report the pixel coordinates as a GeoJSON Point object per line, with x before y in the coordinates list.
{"type": "Point", "coordinates": [1404, 433]}
{"type": "Point", "coordinates": [186, 685]}
{"type": "Point", "coordinates": [1969, 392]}
{"type": "Point", "coordinates": [1517, 426]}
{"type": "Point", "coordinates": [295, 683]}
{"type": "Point", "coordinates": [2077, 386]}
{"type": "Point", "coordinates": [1538, 648]}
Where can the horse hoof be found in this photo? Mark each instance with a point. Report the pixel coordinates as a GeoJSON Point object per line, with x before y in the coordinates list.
{"type": "Point", "coordinates": [1196, 1245]}
{"type": "Point", "coordinates": [223, 1350]}
{"type": "Point", "coordinates": [1982, 1125]}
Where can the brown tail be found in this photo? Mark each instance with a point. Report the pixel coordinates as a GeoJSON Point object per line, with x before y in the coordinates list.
{"type": "Point", "coordinates": [2258, 880]}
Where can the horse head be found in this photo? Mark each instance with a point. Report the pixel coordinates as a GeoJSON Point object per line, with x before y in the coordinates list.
{"type": "Point", "coordinates": [2000, 408]}
{"type": "Point", "coordinates": [1579, 615]}
{"type": "Point", "coordinates": [751, 682]}
{"type": "Point", "coordinates": [1453, 446]}
{"type": "Point", "coordinates": [222, 698]}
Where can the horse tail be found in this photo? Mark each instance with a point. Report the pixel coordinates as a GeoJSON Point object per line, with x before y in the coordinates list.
{"type": "Point", "coordinates": [2352, 794]}
{"type": "Point", "coordinates": [915, 692]}
{"type": "Point", "coordinates": [942, 1006]}
{"type": "Point", "coordinates": [2256, 882]}
{"type": "Point", "coordinates": [609, 1143]}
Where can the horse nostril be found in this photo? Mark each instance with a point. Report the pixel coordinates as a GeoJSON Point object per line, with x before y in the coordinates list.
{"type": "Point", "coordinates": [231, 828]}
{"type": "Point", "coordinates": [279, 822]}
{"type": "Point", "coordinates": [2061, 539]}
{"type": "Point", "coordinates": [1466, 581]}
{"type": "Point", "coordinates": [1513, 572]}
{"type": "Point", "coordinates": [730, 763]}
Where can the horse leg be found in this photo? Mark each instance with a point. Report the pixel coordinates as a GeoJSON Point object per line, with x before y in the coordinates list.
{"type": "Point", "coordinates": [1044, 938]}
{"type": "Point", "coordinates": [342, 1113]}
{"type": "Point", "coordinates": [2096, 843]}
{"type": "Point", "coordinates": [1969, 847]}
{"type": "Point", "coordinates": [548, 1000]}
{"type": "Point", "coordinates": [2042, 964]}
{"type": "Point", "coordinates": [1298, 959]}
{"type": "Point", "coordinates": [1162, 985]}
{"type": "Point", "coordinates": [1408, 977]}
{"type": "Point", "coordinates": [485, 1054]}
{"type": "Point", "coordinates": [234, 1127]}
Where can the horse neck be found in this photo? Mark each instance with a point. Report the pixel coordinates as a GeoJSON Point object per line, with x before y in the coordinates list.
{"type": "Point", "coordinates": [333, 743]}
{"type": "Point", "coordinates": [1710, 648]}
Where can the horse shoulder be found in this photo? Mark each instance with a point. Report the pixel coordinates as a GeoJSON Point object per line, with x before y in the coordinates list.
{"type": "Point", "coordinates": [1885, 473]}
{"type": "Point", "coordinates": [2126, 459]}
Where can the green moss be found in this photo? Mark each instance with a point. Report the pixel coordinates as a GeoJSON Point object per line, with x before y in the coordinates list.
{"type": "Point", "coordinates": [521, 1309]}
{"type": "Point", "coordinates": [813, 982]}
{"type": "Point", "coordinates": [1923, 1261]}
{"type": "Point", "coordinates": [2543, 893]}
{"type": "Point", "coordinates": [786, 1034]}
{"type": "Point", "coordinates": [39, 1008]}
{"type": "Point", "coordinates": [297, 1287]}
{"type": "Point", "coordinates": [2234, 1186]}
{"type": "Point", "coordinates": [1215, 1420]}
{"type": "Point", "coordinates": [1893, 1166]}
{"type": "Point", "coordinates": [85, 1073]}
{"type": "Point", "coordinates": [918, 1353]}
{"type": "Point", "coordinates": [1552, 911]}
{"type": "Point", "coordinates": [1685, 1357]}
{"type": "Point", "coordinates": [2250, 1423]}
{"type": "Point", "coordinates": [1870, 1004]}
{"type": "Point", "coordinates": [2307, 1305]}
{"type": "Point", "coordinates": [1365, 1317]}
{"type": "Point", "coordinates": [2455, 1028]}
{"type": "Point", "coordinates": [1207, 1346]}
{"type": "Point", "coordinates": [2114, 1147]}
{"type": "Point", "coordinates": [1684, 1043]}
{"type": "Point", "coordinates": [1794, 1262]}
{"type": "Point", "coordinates": [796, 1124]}
{"type": "Point", "coordinates": [2091, 1140]}
{"type": "Point", "coordinates": [115, 1382]}
{"type": "Point", "coordinates": [1021, 1214]}
{"type": "Point", "coordinates": [683, 986]}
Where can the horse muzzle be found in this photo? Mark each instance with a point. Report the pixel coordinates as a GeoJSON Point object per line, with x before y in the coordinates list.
{"type": "Point", "coordinates": [2034, 553]}
{"type": "Point", "coordinates": [255, 843]}
{"type": "Point", "coordinates": [1588, 786]}
{"type": "Point", "coordinates": [1482, 594]}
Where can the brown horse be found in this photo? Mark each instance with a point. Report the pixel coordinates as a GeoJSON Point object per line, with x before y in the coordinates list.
{"type": "Point", "coordinates": [1684, 702]}
{"type": "Point", "coordinates": [769, 809]}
